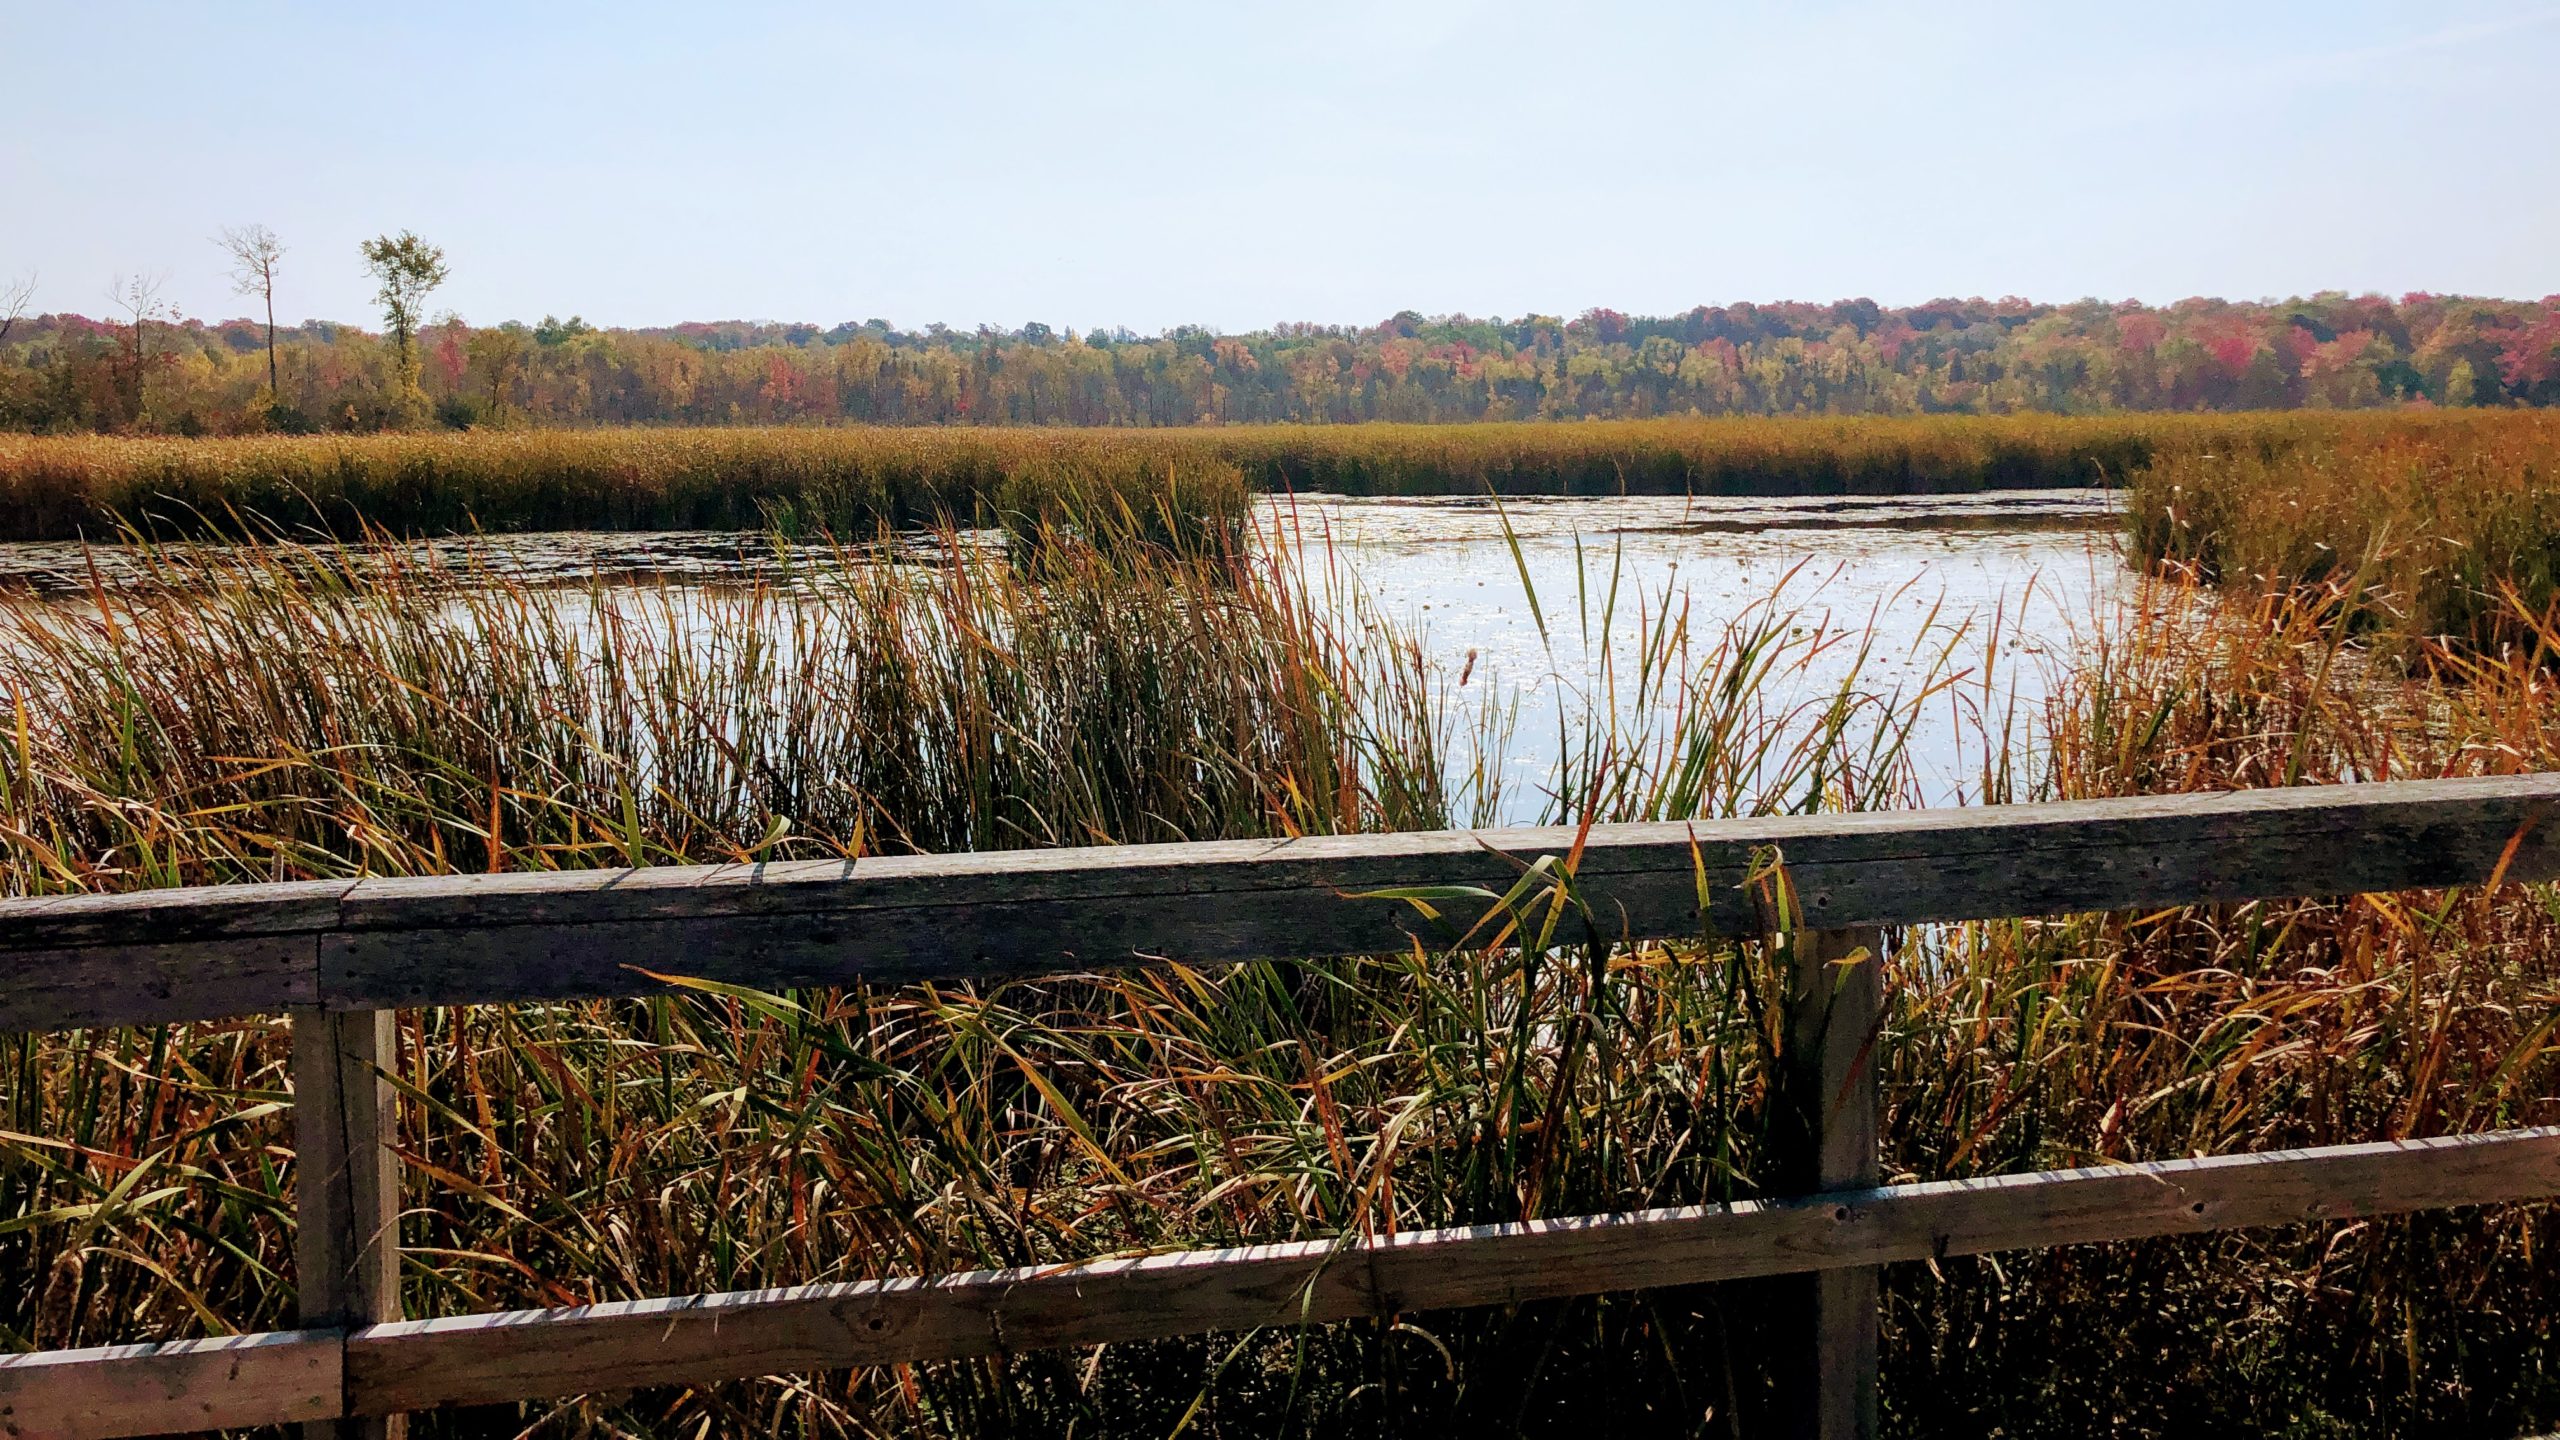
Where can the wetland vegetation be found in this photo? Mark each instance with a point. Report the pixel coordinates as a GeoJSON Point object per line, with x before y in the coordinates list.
{"type": "Point", "coordinates": [948, 638]}
{"type": "Point", "coordinates": [273, 714]}
{"type": "Point", "coordinates": [849, 481]}
{"type": "Point", "coordinates": [433, 596]}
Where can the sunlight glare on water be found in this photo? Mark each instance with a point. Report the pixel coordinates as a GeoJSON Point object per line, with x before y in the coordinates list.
{"type": "Point", "coordinates": [1922, 585]}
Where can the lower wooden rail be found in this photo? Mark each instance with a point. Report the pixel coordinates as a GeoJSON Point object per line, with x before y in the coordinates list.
{"type": "Point", "coordinates": [185, 1385]}
{"type": "Point", "coordinates": [536, 1354]}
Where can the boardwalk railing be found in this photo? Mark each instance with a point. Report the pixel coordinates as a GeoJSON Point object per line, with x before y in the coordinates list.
{"type": "Point", "coordinates": [341, 956]}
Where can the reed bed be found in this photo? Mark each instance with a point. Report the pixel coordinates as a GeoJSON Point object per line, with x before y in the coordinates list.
{"type": "Point", "coordinates": [795, 482]}
{"type": "Point", "coordinates": [1805, 455]}
{"type": "Point", "coordinates": [276, 724]}
{"type": "Point", "coordinates": [850, 481]}
{"type": "Point", "coordinates": [2448, 529]}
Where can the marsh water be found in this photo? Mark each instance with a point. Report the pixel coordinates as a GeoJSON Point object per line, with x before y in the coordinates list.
{"type": "Point", "coordinates": [1552, 611]}
{"type": "Point", "coordinates": [1973, 599]}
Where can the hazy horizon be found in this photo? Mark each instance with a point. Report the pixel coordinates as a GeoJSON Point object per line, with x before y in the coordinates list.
{"type": "Point", "coordinates": [985, 164]}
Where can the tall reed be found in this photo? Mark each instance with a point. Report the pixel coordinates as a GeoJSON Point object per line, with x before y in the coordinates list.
{"type": "Point", "coordinates": [849, 481]}
{"type": "Point", "coordinates": [799, 482]}
{"type": "Point", "coordinates": [2447, 530]}
{"type": "Point", "coordinates": [270, 721]}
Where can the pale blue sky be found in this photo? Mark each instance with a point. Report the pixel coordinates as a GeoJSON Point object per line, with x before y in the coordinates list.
{"type": "Point", "coordinates": [1239, 164]}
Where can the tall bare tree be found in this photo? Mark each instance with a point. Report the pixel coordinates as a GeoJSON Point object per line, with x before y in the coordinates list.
{"type": "Point", "coordinates": [254, 251]}
{"type": "Point", "coordinates": [15, 298]}
{"type": "Point", "coordinates": [139, 298]}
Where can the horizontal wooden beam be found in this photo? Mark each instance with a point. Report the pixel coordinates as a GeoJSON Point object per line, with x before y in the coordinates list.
{"type": "Point", "coordinates": [184, 1387]}
{"type": "Point", "coordinates": [381, 944]}
{"type": "Point", "coordinates": [206, 953]}
{"type": "Point", "coordinates": [153, 984]}
{"type": "Point", "coordinates": [290, 1376]}
{"type": "Point", "coordinates": [534, 1354]}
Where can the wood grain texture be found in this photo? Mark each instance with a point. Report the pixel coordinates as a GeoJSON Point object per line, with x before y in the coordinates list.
{"type": "Point", "coordinates": [1829, 1108]}
{"type": "Point", "coordinates": [540, 1353]}
{"type": "Point", "coordinates": [159, 917]}
{"type": "Point", "coordinates": [184, 1387]}
{"type": "Point", "coordinates": [253, 974]}
{"type": "Point", "coordinates": [984, 915]}
{"type": "Point", "coordinates": [488, 939]}
{"type": "Point", "coordinates": [346, 1200]}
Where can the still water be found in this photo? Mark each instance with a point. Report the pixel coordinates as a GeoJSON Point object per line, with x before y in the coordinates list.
{"type": "Point", "coordinates": [1557, 613]}
{"type": "Point", "coordinates": [1970, 599]}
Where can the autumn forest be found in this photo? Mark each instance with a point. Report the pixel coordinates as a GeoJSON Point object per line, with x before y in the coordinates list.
{"type": "Point", "coordinates": [145, 371]}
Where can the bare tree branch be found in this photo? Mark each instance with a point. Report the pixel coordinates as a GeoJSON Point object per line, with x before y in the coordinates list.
{"type": "Point", "coordinates": [15, 298]}
{"type": "Point", "coordinates": [139, 298]}
{"type": "Point", "coordinates": [254, 251]}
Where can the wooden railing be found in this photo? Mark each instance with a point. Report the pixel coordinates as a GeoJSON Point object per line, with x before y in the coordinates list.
{"type": "Point", "coordinates": [341, 956]}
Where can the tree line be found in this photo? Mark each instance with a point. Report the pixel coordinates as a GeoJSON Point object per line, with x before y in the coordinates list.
{"type": "Point", "coordinates": [141, 368]}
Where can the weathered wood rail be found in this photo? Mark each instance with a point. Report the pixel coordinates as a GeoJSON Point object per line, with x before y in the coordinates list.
{"type": "Point", "coordinates": [341, 956]}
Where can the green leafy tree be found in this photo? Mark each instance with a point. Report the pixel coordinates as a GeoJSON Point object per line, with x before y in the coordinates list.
{"type": "Point", "coordinates": [2461, 384]}
{"type": "Point", "coordinates": [555, 331]}
{"type": "Point", "coordinates": [407, 270]}
{"type": "Point", "coordinates": [497, 352]}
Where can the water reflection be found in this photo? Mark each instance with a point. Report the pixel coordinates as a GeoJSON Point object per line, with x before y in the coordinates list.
{"type": "Point", "coordinates": [1555, 612]}
{"type": "Point", "coordinates": [1556, 605]}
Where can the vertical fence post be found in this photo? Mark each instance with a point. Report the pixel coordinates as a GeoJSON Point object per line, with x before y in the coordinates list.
{"type": "Point", "coordinates": [1835, 995]}
{"type": "Point", "coordinates": [346, 1250]}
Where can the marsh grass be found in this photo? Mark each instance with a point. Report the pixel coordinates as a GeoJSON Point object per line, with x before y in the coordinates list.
{"type": "Point", "coordinates": [1796, 455]}
{"type": "Point", "coordinates": [273, 725]}
{"type": "Point", "coordinates": [854, 480]}
{"type": "Point", "coordinates": [801, 483]}
{"type": "Point", "coordinates": [2447, 529]}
